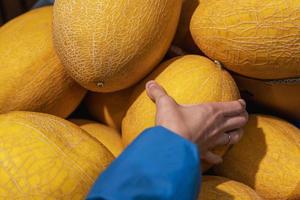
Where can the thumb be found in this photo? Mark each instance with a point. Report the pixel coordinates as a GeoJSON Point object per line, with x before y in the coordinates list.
{"type": "Point", "coordinates": [155, 91]}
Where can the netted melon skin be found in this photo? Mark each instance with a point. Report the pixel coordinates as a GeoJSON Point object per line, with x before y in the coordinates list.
{"type": "Point", "coordinates": [266, 156]}
{"type": "Point", "coordinates": [257, 39]}
{"type": "Point", "coordinates": [108, 45]}
{"type": "Point", "coordinates": [32, 77]}
{"type": "Point", "coordinates": [216, 187]}
{"type": "Point", "coordinates": [46, 157]}
{"type": "Point", "coordinates": [108, 136]}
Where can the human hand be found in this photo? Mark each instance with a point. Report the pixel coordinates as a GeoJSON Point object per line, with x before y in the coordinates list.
{"type": "Point", "coordinates": [208, 125]}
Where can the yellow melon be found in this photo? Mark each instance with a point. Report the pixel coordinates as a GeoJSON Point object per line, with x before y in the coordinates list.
{"type": "Point", "coordinates": [266, 159]}
{"type": "Point", "coordinates": [183, 37]}
{"type": "Point", "coordinates": [189, 79]}
{"type": "Point", "coordinates": [282, 96]}
{"type": "Point", "coordinates": [109, 137]}
{"type": "Point", "coordinates": [258, 39]}
{"type": "Point", "coordinates": [31, 75]}
{"type": "Point", "coordinates": [220, 188]}
{"type": "Point", "coordinates": [46, 157]}
{"type": "Point", "coordinates": [108, 108]}
{"type": "Point", "coordinates": [108, 45]}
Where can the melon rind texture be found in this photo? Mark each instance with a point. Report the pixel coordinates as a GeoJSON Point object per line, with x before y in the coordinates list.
{"type": "Point", "coordinates": [257, 39]}
{"type": "Point", "coordinates": [32, 77]}
{"type": "Point", "coordinates": [46, 157]}
{"type": "Point", "coordinates": [282, 96]}
{"type": "Point", "coordinates": [216, 187]}
{"type": "Point", "coordinates": [108, 108]}
{"type": "Point", "coordinates": [266, 158]}
{"type": "Point", "coordinates": [108, 45]}
{"type": "Point", "coordinates": [108, 136]}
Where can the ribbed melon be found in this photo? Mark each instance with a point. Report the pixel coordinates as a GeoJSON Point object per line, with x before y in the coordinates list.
{"type": "Point", "coordinates": [282, 96]}
{"type": "Point", "coordinates": [266, 159]}
{"type": "Point", "coordinates": [109, 137]}
{"type": "Point", "coordinates": [258, 39]}
{"type": "Point", "coordinates": [108, 45]}
{"type": "Point", "coordinates": [183, 37]}
{"type": "Point", "coordinates": [109, 108]}
{"type": "Point", "coordinates": [31, 75]}
{"type": "Point", "coordinates": [46, 157]}
{"type": "Point", "coordinates": [189, 79]}
{"type": "Point", "coordinates": [220, 188]}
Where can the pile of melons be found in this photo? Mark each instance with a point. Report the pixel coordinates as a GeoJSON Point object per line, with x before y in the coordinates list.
{"type": "Point", "coordinates": [100, 53]}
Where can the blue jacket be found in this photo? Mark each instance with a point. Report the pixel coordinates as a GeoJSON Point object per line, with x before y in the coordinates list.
{"type": "Point", "coordinates": [297, 123]}
{"type": "Point", "coordinates": [41, 3]}
{"type": "Point", "coordinates": [158, 165]}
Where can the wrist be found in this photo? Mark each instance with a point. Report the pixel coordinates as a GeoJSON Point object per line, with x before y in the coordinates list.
{"type": "Point", "coordinates": [179, 131]}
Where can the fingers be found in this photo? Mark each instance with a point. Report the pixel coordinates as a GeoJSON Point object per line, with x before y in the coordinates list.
{"type": "Point", "coordinates": [242, 102]}
{"type": "Point", "coordinates": [225, 139]}
{"type": "Point", "coordinates": [232, 108]}
{"type": "Point", "coordinates": [236, 136]}
{"type": "Point", "coordinates": [229, 138]}
{"type": "Point", "coordinates": [233, 123]}
{"type": "Point", "coordinates": [158, 94]}
{"type": "Point", "coordinates": [212, 158]}
{"type": "Point", "coordinates": [155, 91]}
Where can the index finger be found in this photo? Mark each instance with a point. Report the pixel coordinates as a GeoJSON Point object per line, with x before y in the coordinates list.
{"type": "Point", "coordinates": [231, 108]}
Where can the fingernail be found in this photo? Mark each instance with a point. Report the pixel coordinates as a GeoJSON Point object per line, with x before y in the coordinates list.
{"type": "Point", "coordinates": [242, 102]}
{"type": "Point", "coordinates": [150, 84]}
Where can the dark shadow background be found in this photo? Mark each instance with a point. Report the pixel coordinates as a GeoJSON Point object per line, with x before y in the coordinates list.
{"type": "Point", "coordinates": [12, 8]}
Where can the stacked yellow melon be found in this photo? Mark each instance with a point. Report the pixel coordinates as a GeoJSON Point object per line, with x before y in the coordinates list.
{"type": "Point", "coordinates": [45, 157]}
{"type": "Point", "coordinates": [215, 188]}
{"type": "Point", "coordinates": [283, 96]}
{"type": "Point", "coordinates": [108, 45]}
{"type": "Point", "coordinates": [115, 47]}
{"type": "Point", "coordinates": [108, 136]}
{"type": "Point", "coordinates": [266, 159]}
{"type": "Point", "coordinates": [31, 75]}
{"type": "Point", "coordinates": [256, 39]}
{"type": "Point", "coordinates": [259, 42]}
{"type": "Point", "coordinates": [109, 108]}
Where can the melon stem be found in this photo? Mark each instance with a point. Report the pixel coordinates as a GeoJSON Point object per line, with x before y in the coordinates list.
{"type": "Point", "coordinates": [218, 63]}
{"type": "Point", "coordinates": [100, 84]}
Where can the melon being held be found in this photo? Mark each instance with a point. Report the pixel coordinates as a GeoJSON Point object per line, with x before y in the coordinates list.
{"type": "Point", "coordinates": [189, 79]}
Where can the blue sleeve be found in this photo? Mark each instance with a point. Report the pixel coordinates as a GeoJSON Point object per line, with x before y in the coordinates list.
{"type": "Point", "coordinates": [41, 3]}
{"type": "Point", "coordinates": [297, 123]}
{"type": "Point", "coordinates": [158, 165]}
